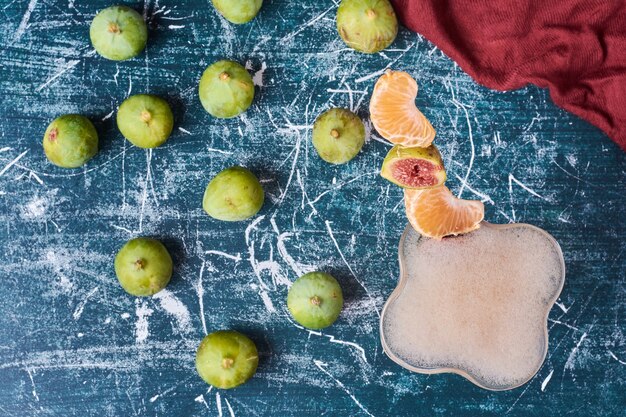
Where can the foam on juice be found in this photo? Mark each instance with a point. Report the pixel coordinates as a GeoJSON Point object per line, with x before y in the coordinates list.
{"type": "Point", "coordinates": [476, 304]}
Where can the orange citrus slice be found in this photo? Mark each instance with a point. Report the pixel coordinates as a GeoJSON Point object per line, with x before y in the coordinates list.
{"type": "Point", "coordinates": [394, 114]}
{"type": "Point", "coordinates": [436, 213]}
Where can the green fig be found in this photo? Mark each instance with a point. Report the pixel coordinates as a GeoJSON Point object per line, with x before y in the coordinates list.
{"type": "Point", "coordinates": [226, 359]}
{"type": "Point", "coordinates": [338, 135]}
{"type": "Point", "coordinates": [143, 266]}
{"type": "Point", "coordinates": [118, 33]}
{"type": "Point", "coordinates": [315, 300]}
{"type": "Point", "coordinates": [415, 168]}
{"type": "Point", "coordinates": [70, 141]}
{"type": "Point", "coordinates": [226, 89]}
{"type": "Point", "coordinates": [367, 25]}
{"type": "Point", "coordinates": [147, 121]}
{"type": "Point", "coordinates": [234, 194]}
{"type": "Point", "coordinates": [238, 11]}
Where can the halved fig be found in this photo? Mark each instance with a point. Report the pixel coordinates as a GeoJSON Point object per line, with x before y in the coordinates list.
{"type": "Point", "coordinates": [414, 168]}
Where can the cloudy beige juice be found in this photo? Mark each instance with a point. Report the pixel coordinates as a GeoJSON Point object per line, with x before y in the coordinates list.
{"type": "Point", "coordinates": [476, 304]}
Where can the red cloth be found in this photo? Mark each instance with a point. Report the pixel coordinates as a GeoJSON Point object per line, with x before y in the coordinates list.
{"type": "Point", "coordinates": [575, 48]}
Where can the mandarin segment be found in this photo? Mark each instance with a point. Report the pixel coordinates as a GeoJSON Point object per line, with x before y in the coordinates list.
{"type": "Point", "coordinates": [394, 113]}
{"type": "Point", "coordinates": [436, 213]}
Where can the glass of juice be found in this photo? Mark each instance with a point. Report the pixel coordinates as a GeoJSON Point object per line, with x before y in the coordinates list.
{"type": "Point", "coordinates": [475, 305]}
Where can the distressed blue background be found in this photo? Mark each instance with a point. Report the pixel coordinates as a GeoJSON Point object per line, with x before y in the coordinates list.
{"type": "Point", "coordinates": [72, 343]}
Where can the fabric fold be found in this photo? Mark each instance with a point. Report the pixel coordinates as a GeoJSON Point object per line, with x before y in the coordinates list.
{"type": "Point", "coordinates": [574, 48]}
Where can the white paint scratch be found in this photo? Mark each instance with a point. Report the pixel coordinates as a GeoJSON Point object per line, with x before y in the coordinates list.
{"type": "Point", "coordinates": [338, 186]}
{"type": "Point", "coordinates": [219, 151]}
{"type": "Point", "coordinates": [32, 381]}
{"type": "Point", "coordinates": [175, 307]}
{"type": "Point", "coordinates": [569, 326]}
{"type": "Point", "coordinates": [218, 401]}
{"type": "Point", "coordinates": [518, 182]}
{"type": "Point", "coordinates": [200, 399]}
{"type": "Point", "coordinates": [282, 250]}
{"type": "Point", "coordinates": [167, 391]}
{"type": "Point", "coordinates": [259, 266]}
{"type": "Point", "coordinates": [200, 291]}
{"type": "Point", "coordinates": [462, 106]}
{"type": "Point", "coordinates": [230, 409]}
{"type": "Point", "coordinates": [108, 116]}
{"type": "Point", "coordinates": [35, 208]}
{"type": "Point", "coordinates": [545, 381]}
{"type": "Point", "coordinates": [257, 78]}
{"type": "Point", "coordinates": [235, 258]}
{"type": "Point", "coordinates": [125, 229]}
{"type": "Point", "coordinates": [321, 365]}
{"type": "Point", "coordinates": [81, 306]}
{"type": "Point", "coordinates": [293, 168]}
{"type": "Point", "coordinates": [333, 339]}
{"type": "Point", "coordinates": [569, 364]}
{"type": "Point", "coordinates": [372, 75]}
{"type": "Point", "coordinates": [141, 325]}
{"type": "Point", "coordinates": [372, 301]}
{"type": "Point", "coordinates": [13, 162]}
{"type": "Point", "coordinates": [306, 25]}
{"type": "Point", "coordinates": [25, 18]}
{"type": "Point", "coordinates": [68, 66]}
{"type": "Point", "coordinates": [483, 197]}
{"type": "Point", "coordinates": [562, 307]}
{"type": "Point", "coordinates": [144, 194]}
{"type": "Point", "coordinates": [616, 358]}
{"type": "Point", "coordinates": [267, 301]}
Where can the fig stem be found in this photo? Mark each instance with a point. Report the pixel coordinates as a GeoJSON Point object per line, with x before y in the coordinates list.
{"type": "Point", "coordinates": [224, 76]}
{"type": "Point", "coordinates": [114, 27]}
{"type": "Point", "coordinates": [146, 116]}
{"type": "Point", "coordinates": [334, 133]}
{"type": "Point", "coordinates": [370, 13]}
{"type": "Point", "coordinates": [139, 264]}
{"type": "Point", "coordinates": [315, 300]}
{"type": "Point", "coordinates": [227, 363]}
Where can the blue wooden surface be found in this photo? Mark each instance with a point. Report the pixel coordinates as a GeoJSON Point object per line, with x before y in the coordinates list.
{"type": "Point", "coordinates": [72, 343]}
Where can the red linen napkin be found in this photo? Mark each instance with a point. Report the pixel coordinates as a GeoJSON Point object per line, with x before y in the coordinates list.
{"type": "Point", "coordinates": [575, 48]}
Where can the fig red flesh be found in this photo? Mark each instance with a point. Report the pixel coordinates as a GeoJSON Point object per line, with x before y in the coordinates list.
{"type": "Point", "coordinates": [415, 172]}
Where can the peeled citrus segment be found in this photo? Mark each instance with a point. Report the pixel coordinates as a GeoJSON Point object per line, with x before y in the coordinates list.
{"type": "Point", "coordinates": [394, 114]}
{"type": "Point", "coordinates": [436, 213]}
{"type": "Point", "coordinates": [416, 168]}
